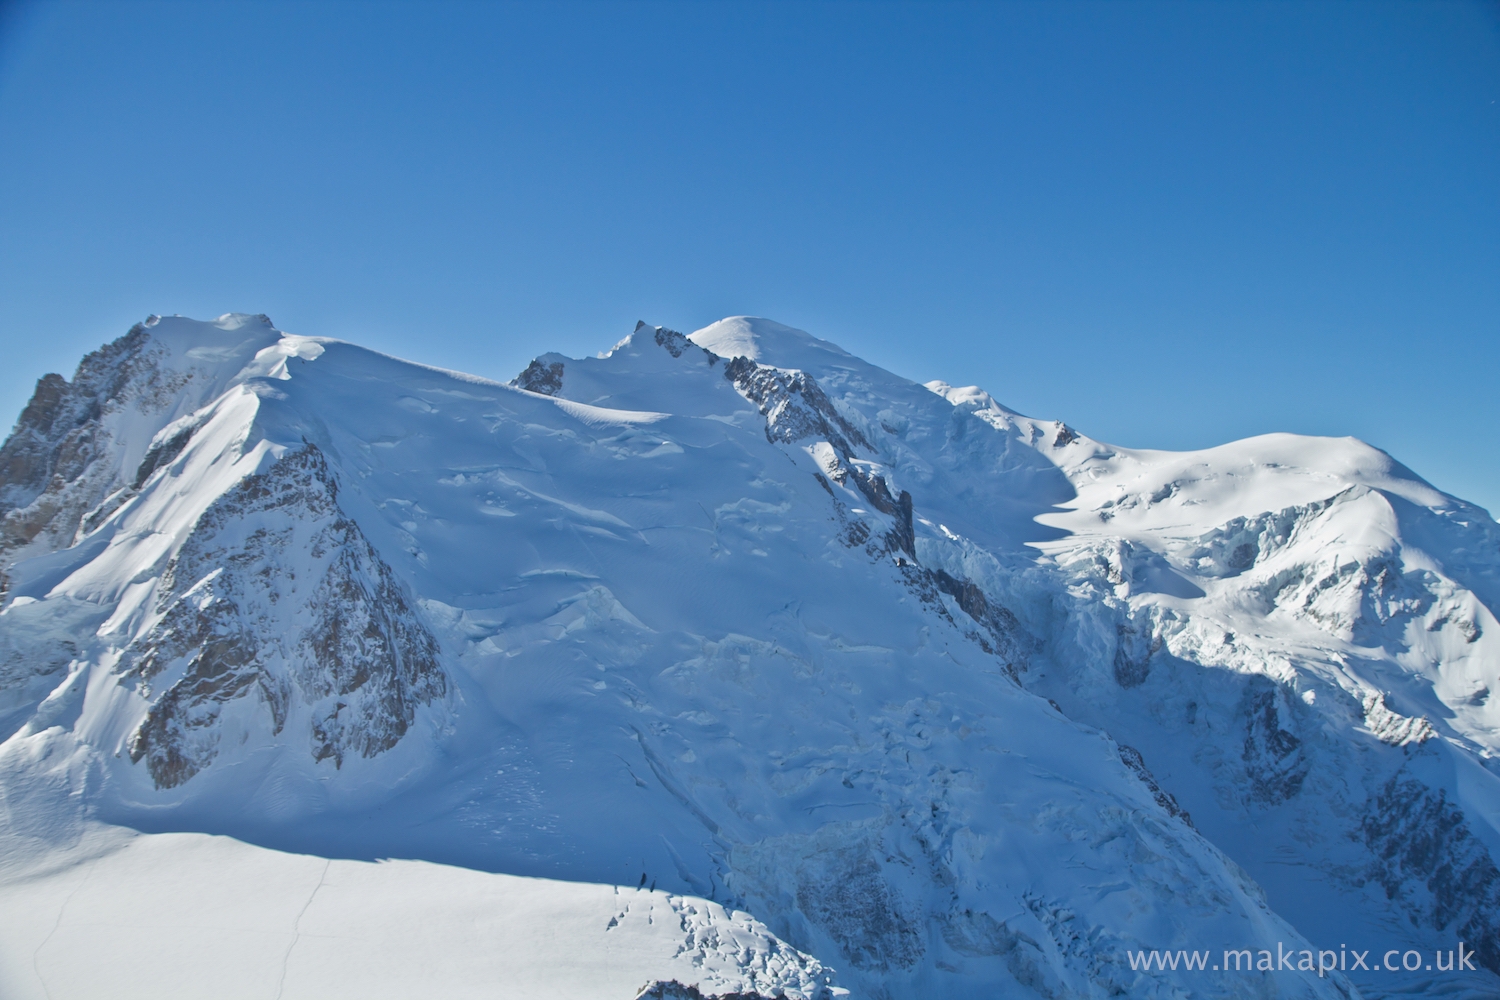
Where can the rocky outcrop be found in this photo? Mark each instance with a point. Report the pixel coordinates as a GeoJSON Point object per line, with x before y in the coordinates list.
{"type": "Point", "coordinates": [56, 434]}
{"type": "Point", "coordinates": [1132, 659]}
{"type": "Point", "coordinates": [671, 341]}
{"type": "Point", "coordinates": [998, 621]}
{"type": "Point", "coordinates": [60, 461]}
{"type": "Point", "coordinates": [794, 405]}
{"type": "Point", "coordinates": [1275, 766]}
{"type": "Point", "coordinates": [163, 451]}
{"type": "Point", "coordinates": [330, 635]}
{"type": "Point", "coordinates": [1131, 758]}
{"type": "Point", "coordinates": [998, 632]}
{"type": "Point", "coordinates": [545, 378]}
{"type": "Point", "coordinates": [1389, 726]}
{"type": "Point", "coordinates": [1430, 864]}
{"type": "Point", "coordinates": [797, 409]}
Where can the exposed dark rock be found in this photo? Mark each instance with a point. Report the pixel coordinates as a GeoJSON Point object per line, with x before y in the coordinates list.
{"type": "Point", "coordinates": [856, 533]}
{"type": "Point", "coordinates": [1000, 634]}
{"type": "Point", "coordinates": [546, 379]}
{"type": "Point", "coordinates": [1132, 662]}
{"type": "Point", "coordinates": [55, 436]}
{"type": "Point", "coordinates": [796, 408]}
{"type": "Point", "coordinates": [1274, 762]}
{"type": "Point", "coordinates": [347, 643]}
{"type": "Point", "coordinates": [902, 537]}
{"type": "Point", "coordinates": [674, 342]}
{"type": "Point", "coordinates": [162, 453]}
{"type": "Point", "coordinates": [1467, 627]}
{"type": "Point", "coordinates": [1393, 728]}
{"type": "Point", "coordinates": [1002, 626]}
{"type": "Point", "coordinates": [1429, 861]}
{"type": "Point", "coordinates": [671, 989]}
{"type": "Point", "coordinates": [1131, 758]}
{"type": "Point", "coordinates": [794, 405]}
{"type": "Point", "coordinates": [26, 458]}
{"type": "Point", "coordinates": [59, 462]}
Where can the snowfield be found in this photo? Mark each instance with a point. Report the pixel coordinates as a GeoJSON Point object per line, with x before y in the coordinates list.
{"type": "Point", "coordinates": [185, 914]}
{"type": "Point", "coordinates": [727, 661]}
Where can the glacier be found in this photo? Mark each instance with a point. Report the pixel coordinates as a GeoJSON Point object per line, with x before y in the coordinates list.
{"type": "Point", "coordinates": [864, 686]}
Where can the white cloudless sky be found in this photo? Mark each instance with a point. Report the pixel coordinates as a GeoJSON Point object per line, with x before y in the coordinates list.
{"type": "Point", "coordinates": [1168, 224]}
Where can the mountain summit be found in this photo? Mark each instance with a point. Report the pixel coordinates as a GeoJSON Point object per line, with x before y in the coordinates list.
{"type": "Point", "coordinates": [747, 666]}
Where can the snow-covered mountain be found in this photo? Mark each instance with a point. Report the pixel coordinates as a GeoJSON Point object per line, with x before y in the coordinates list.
{"type": "Point", "coordinates": [862, 684]}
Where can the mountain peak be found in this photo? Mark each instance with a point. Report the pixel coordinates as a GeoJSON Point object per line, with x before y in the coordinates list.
{"type": "Point", "coordinates": [766, 341]}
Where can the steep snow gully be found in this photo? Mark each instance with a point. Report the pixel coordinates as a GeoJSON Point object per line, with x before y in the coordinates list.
{"type": "Point", "coordinates": [721, 664]}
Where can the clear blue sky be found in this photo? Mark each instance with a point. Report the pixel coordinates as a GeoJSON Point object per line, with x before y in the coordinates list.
{"type": "Point", "coordinates": [1168, 224]}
